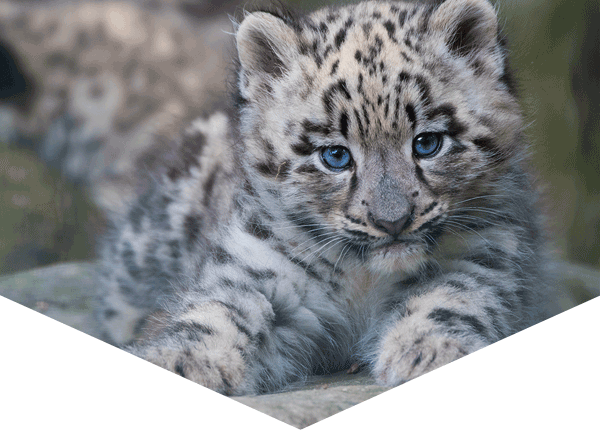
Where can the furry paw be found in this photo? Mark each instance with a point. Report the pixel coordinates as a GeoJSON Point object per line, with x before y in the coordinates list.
{"type": "Point", "coordinates": [404, 358]}
{"type": "Point", "coordinates": [204, 345]}
{"type": "Point", "coordinates": [222, 371]}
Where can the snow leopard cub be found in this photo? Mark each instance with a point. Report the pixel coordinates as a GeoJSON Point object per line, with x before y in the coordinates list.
{"type": "Point", "coordinates": [367, 201]}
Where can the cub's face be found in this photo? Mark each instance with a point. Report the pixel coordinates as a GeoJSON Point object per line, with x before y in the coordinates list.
{"type": "Point", "coordinates": [386, 124]}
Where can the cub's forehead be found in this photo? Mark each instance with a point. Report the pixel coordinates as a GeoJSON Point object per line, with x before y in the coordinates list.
{"type": "Point", "coordinates": [374, 41]}
{"type": "Point", "coordinates": [369, 10]}
{"type": "Point", "coordinates": [336, 24]}
{"type": "Point", "coordinates": [369, 61]}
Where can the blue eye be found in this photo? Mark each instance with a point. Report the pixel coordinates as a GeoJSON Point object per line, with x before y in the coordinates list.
{"type": "Point", "coordinates": [336, 158]}
{"type": "Point", "coordinates": [427, 144]}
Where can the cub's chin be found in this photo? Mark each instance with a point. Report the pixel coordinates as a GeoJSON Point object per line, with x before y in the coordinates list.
{"type": "Point", "coordinates": [397, 258]}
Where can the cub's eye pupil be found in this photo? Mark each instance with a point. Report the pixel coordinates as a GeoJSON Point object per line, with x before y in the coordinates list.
{"type": "Point", "coordinates": [427, 144]}
{"type": "Point", "coordinates": [336, 158]}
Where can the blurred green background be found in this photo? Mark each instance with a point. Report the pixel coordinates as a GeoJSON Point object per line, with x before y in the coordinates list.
{"type": "Point", "coordinates": [555, 48]}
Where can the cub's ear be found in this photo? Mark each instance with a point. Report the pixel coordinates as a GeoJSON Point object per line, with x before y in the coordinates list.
{"type": "Point", "coordinates": [266, 45]}
{"type": "Point", "coordinates": [470, 27]}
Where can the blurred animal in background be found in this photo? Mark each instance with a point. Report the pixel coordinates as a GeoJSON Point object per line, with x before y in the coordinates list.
{"type": "Point", "coordinates": [90, 85]}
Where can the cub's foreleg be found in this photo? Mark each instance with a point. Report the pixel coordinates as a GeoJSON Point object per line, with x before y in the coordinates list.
{"type": "Point", "coordinates": [230, 341]}
{"type": "Point", "coordinates": [450, 317]}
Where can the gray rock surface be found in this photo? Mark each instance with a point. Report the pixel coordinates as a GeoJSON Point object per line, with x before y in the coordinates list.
{"type": "Point", "coordinates": [65, 293]}
{"type": "Point", "coordinates": [319, 398]}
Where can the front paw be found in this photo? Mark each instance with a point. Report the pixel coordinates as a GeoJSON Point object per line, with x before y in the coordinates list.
{"type": "Point", "coordinates": [222, 371]}
{"type": "Point", "coordinates": [402, 358]}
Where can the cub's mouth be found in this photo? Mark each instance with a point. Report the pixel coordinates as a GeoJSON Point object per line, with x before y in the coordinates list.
{"type": "Point", "coordinates": [395, 246]}
{"type": "Point", "coordinates": [398, 255]}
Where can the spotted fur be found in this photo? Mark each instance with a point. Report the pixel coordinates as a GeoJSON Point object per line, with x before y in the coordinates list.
{"type": "Point", "coordinates": [251, 263]}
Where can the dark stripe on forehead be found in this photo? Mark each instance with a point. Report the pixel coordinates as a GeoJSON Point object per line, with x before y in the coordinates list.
{"type": "Point", "coordinates": [424, 88]}
{"type": "Point", "coordinates": [340, 37]}
{"type": "Point", "coordinates": [403, 77]}
{"type": "Point", "coordinates": [397, 109]}
{"type": "Point", "coordinates": [318, 60]}
{"type": "Point", "coordinates": [313, 127]}
{"type": "Point", "coordinates": [386, 109]}
{"type": "Point", "coordinates": [454, 127]}
{"type": "Point", "coordinates": [366, 28]}
{"type": "Point", "coordinates": [304, 147]}
{"type": "Point", "coordinates": [412, 116]}
{"type": "Point", "coordinates": [366, 116]}
{"type": "Point", "coordinates": [344, 124]}
{"type": "Point", "coordinates": [358, 56]}
{"type": "Point", "coordinates": [335, 67]}
{"type": "Point", "coordinates": [339, 87]}
{"type": "Point", "coordinates": [360, 124]}
{"type": "Point", "coordinates": [391, 30]}
{"type": "Point", "coordinates": [426, 17]}
{"type": "Point", "coordinates": [402, 18]}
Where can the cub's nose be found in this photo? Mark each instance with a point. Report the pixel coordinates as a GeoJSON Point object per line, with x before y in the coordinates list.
{"type": "Point", "coordinates": [393, 228]}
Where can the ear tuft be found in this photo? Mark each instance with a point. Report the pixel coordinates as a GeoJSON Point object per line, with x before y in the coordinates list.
{"type": "Point", "coordinates": [469, 26]}
{"type": "Point", "coordinates": [266, 44]}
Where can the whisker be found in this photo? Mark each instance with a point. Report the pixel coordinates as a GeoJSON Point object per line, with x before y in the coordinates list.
{"type": "Point", "coordinates": [315, 252]}
{"type": "Point", "coordinates": [480, 197]}
{"type": "Point", "coordinates": [326, 237]}
{"type": "Point", "coordinates": [341, 254]}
